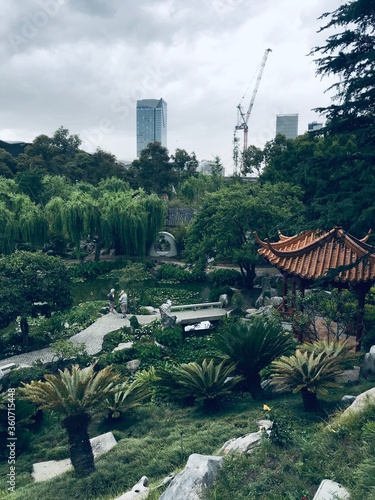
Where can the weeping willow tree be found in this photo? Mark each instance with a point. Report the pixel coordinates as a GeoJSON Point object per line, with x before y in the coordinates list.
{"type": "Point", "coordinates": [77, 217]}
{"type": "Point", "coordinates": [8, 230]}
{"type": "Point", "coordinates": [131, 221]}
{"type": "Point", "coordinates": [31, 220]}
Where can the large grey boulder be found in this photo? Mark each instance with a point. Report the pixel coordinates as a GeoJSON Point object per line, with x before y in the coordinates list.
{"type": "Point", "coordinates": [369, 363]}
{"type": "Point", "coordinates": [360, 403]}
{"type": "Point", "coordinates": [199, 475]}
{"type": "Point", "coordinates": [243, 444]}
{"type": "Point", "coordinates": [349, 376]}
{"type": "Point", "coordinates": [248, 442]}
{"type": "Point", "coordinates": [140, 491]}
{"type": "Point", "coordinates": [167, 319]}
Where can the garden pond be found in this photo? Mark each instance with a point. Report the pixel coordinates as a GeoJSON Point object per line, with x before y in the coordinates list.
{"type": "Point", "coordinates": [155, 294]}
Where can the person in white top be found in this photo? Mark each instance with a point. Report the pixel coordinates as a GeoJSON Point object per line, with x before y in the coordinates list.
{"type": "Point", "coordinates": [123, 301]}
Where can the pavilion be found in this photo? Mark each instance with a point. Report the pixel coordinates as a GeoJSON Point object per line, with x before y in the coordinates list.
{"type": "Point", "coordinates": [339, 258]}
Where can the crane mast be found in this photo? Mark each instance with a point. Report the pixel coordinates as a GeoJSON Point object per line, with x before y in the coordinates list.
{"type": "Point", "coordinates": [243, 118]}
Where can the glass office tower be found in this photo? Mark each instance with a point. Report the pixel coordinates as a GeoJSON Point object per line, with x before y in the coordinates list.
{"type": "Point", "coordinates": [287, 125]}
{"type": "Point", "coordinates": [151, 123]}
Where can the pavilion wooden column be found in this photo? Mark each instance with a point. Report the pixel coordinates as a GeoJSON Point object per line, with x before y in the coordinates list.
{"type": "Point", "coordinates": [285, 291]}
{"type": "Point", "coordinates": [362, 290]}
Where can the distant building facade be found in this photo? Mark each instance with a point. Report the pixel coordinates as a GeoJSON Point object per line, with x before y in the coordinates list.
{"type": "Point", "coordinates": [151, 123]}
{"type": "Point", "coordinates": [287, 125]}
{"type": "Point", "coordinates": [313, 126]}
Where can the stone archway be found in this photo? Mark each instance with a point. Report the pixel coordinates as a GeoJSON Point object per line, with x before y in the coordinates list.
{"type": "Point", "coordinates": [164, 245]}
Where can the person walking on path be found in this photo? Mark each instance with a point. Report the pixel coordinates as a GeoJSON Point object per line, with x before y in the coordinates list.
{"type": "Point", "coordinates": [123, 301]}
{"type": "Point", "coordinates": [111, 301]}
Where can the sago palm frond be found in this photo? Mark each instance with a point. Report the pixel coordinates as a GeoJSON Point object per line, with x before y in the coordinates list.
{"type": "Point", "coordinates": [128, 396]}
{"type": "Point", "coordinates": [71, 393]}
{"type": "Point", "coordinates": [253, 345]}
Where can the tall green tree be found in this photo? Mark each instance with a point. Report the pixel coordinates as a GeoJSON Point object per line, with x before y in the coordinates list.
{"type": "Point", "coordinates": [348, 55]}
{"type": "Point", "coordinates": [8, 164]}
{"type": "Point", "coordinates": [32, 284]}
{"type": "Point", "coordinates": [153, 171]}
{"type": "Point", "coordinates": [224, 225]}
{"type": "Point", "coordinates": [185, 165]}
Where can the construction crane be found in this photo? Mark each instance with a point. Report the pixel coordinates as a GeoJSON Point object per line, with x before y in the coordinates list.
{"type": "Point", "coordinates": [243, 118]}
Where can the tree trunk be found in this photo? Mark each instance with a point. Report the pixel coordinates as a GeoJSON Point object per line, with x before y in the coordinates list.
{"type": "Point", "coordinates": [255, 388]}
{"type": "Point", "coordinates": [25, 331]}
{"type": "Point", "coordinates": [248, 275]}
{"type": "Point", "coordinates": [97, 249]}
{"type": "Point", "coordinates": [310, 400]}
{"type": "Point", "coordinates": [81, 453]}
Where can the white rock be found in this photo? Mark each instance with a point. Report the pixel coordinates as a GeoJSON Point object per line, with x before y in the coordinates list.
{"type": "Point", "coordinates": [330, 490]}
{"type": "Point", "coordinates": [140, 491]}
{"type": "Point", "coordinates": [199, 475]}
{"type": "Point", "coordinates": [360, 403]}
{"type": "Point", "coordinates": [123, 345]}
{"type": "Point", "coordinates": [243, 444]}
{"type": "Point", "coordinates": [42, 471]}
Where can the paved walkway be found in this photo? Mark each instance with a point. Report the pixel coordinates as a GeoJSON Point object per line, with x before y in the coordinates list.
{"type": "Point", "coordinates": [92, 337]}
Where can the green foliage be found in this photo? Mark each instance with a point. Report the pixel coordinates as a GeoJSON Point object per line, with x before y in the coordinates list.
{"type": "Point", "coordinates": [134, 323]}
{"type": "Point", "coordinates": [253, 346]}
{"type": "Point", "coordinates": [175, 274]}
{"type": "Point", "coordinates": [224, 224]}
{"type": "Point", "coordinates": [23, 413]}
{"type": "Point", "coordinates": [207, 382]}
{"type": "Point", "coordinates": [25, 375]}
{"type": "Point", "coordinates": [67, 350]}
{"type": "Point", "coordinates": [128, 395]}
{"type": "Point", "coordinates": [93, 269]}
{"type": "Point", "coordinates": [33, 283]}
{"type": "Point", "coordinates": [311, 369]}
{"type": "Point", "coordinates": [225, 277]}
{"type": "Point", "coordinates": [71, 392]}
{"type": "Point", "coordinates": [169, 337]}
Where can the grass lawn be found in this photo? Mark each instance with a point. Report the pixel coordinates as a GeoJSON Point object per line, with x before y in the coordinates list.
{"type": "Point", "coordinates": [156, 439]}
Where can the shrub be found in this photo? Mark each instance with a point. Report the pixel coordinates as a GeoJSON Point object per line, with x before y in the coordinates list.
{"type": "Point", "coordinates": [169, 336]}
{"type": "Point", "coordinates": [207, 382]}
{"type": "Point", "coordinates": [173, 274]}
{"type": "Point", "coordinates": [311, 369]}
{"type": "Point", "coordinates": [225, 277]}
{"type": "Point", "coordinates": [66, 349]}
{"type": "Point", "coordinates": [253, 346]}
{"type": "Point", "coordinates": [26, 375]}
{"type": "Point", "coordinates": [92, 269]}
{"type": "Point", "coordinates": [129, 395]}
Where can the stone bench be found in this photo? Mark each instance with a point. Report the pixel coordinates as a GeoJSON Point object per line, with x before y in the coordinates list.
{"type": "Point", "coordinates": [203, 305]}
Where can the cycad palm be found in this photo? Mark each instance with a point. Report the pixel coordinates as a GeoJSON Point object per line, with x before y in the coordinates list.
{"type": "Point", "coordinates": [311, 369]}
{"type": "Point", "coordinates": [128, 395]}
{"type": "Point", "coordinates": [207, 382]}
{"type": "Point", "coordinates": [74, 395]}
{"type": "Point", "coordinates": [252, 346]}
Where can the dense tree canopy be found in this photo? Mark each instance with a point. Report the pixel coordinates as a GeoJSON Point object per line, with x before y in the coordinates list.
{"type": "Point", "coordinates": [336, 167]}
{"type": "Point", "coordinates": [31, 284]}
{"type": "Point", "coordinates": [223, 227]}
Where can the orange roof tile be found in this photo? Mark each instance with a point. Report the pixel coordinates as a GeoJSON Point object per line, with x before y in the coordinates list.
{"type": "Point", "coordinates": [311, 254]}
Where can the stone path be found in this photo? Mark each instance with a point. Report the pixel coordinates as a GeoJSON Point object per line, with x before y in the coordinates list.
{"type": "Point", "coordinates": [92, 337]}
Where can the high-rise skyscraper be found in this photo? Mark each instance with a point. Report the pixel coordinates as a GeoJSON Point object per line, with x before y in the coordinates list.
{"type": "Point", "coordinates": [151, 123]}
{"type": "Point", "coordinates": [287, 125]}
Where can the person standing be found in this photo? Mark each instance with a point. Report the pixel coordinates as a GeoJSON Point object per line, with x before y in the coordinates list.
{"type": "Point", "coordinates": [111, 301]}
{"type": "Point", "coordinates": [123, 301]}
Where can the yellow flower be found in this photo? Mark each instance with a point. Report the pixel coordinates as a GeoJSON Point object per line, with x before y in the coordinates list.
{"type": "Point", "coordinates": [266, 408]}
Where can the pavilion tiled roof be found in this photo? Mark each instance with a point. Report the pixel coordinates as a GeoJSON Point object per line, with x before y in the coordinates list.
{"type": "Point", "coordinates": [311, 254]}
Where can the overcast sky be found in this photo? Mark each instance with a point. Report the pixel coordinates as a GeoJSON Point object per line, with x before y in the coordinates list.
{"type": "Point", "coordinates": [83, 64]}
